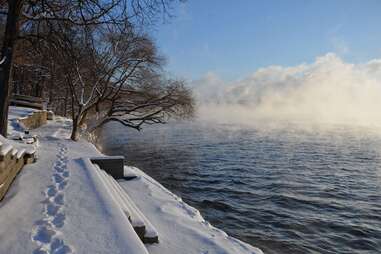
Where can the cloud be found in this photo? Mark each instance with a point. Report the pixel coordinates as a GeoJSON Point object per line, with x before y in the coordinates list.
{"type": "Point", "coordinates": [328, 90]}
{"type": "Point", "coordinates": [210, 89]}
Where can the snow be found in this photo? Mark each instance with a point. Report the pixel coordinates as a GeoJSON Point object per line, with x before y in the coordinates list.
{"type": "Point", "coordinates": [16, 130]}
{"type": "Point", "coordinates": [20, 153]}
{"type": "Point", "coordinates": [16, 113]}
{"type": "Point", "coordinates": [19, 112]}
{"type": "Point", "coordinates": [151, 232]}
{"type": "Point", "coordinates": [14, 152]}
{"type": "Point", "coordinates": [5, 149]}
{"type": "Point", "coordinates": [62, 204]}
{"type": "Point", "coordinates": [15, 127]}
{"type": "Point", "coordinates": [181, 227]}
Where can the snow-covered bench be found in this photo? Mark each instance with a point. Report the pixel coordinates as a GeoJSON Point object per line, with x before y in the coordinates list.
{"type": "Point", "coordinates": [113, 165]}
{"type": "Point", "coordinates": [142, 226]}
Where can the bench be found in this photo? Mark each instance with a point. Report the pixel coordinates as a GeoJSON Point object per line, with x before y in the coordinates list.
{"type": "Point", "coordinates": [113, 165]}
{"type": "Point", "coordinates": [142, 226]}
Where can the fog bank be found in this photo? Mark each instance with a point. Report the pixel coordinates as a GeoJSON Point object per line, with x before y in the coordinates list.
{"type": "Point", "coordinates": [328, 90]}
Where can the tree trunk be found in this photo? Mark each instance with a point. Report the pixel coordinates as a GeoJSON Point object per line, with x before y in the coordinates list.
{"type": "Point", "coordinates": [9, 41]}
{"type": "Point", "coordinates": [76, 120]}
{"type": "Point", "coordinates": [76, 124]}
{"type": "Point", "coordinates": [83, 118]}
{"type": "Point", "coordinates": [65, 102]}
{"type": "Point", "coordinates": [74, 131]}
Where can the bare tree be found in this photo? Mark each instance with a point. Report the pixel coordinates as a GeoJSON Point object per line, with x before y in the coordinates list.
{"type": "Point", "coordinates": [154, 104]}
{"type": "Point", "coordinates": [26, 17]}
{"type": "Point", "coordinates": [115, 75]}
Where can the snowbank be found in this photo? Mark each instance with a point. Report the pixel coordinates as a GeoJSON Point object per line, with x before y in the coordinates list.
{"type": "Point", "coordinates": [181, 227]}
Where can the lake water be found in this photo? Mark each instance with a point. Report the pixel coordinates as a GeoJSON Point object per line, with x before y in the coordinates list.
{"type": "Point", "coordinates": [284, 190]}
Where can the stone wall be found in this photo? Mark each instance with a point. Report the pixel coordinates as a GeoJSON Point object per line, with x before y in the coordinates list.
{"type": "Point", "coordinates": [14, 156]}
{"type": "Point", "coordinates": [37, 119]}
{"type": "Point", "coordinates": [12, 161]}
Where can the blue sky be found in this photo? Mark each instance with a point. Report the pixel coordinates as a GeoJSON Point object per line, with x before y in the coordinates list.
{"type": "Point", "coordinates": [234, 38]}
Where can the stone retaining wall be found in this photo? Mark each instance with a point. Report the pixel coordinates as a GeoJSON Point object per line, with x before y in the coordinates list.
{"type": "Point", "coordinates": [11, 162]}
{"type": "Point", "coordinates": [14, 156]}
{"type": "Point", "coordinates": [35, 120]}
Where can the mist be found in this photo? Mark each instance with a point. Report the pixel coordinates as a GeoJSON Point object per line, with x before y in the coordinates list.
{"type": "Point", "coordinates": [327, 91]}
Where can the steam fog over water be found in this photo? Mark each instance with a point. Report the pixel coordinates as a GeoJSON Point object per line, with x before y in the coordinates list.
{"type": "Point", "coordinates": [328, 90]}
{"type": "Point", "coordinates": [287, 159]}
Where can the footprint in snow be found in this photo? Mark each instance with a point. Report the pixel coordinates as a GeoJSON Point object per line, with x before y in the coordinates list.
{"type": "Point", "coordinates": [59, 169]}
{"type": "Point", "coordinates": [52, 209]}
{"type": "Point", "coordinates": [45, 233]}
{"type": "Point", "coordinates": [62, 185]}
{"type": "Point", "coordinates": [57, 178]}
{"type": "Point", "coordinates": [59, 247]}
{"type": "Point", "coordinates": [60, 163]}
{"type": "Point", "coordinates": [51, 191]}
{"type": "Point", "coordinates": [59, 199]}
{"type": "Point", "coordinates": [65, 174]}
{"type": "Point", "coordinates": [59, 220]}
{"type": "Point", "coordinates": [40, 251]}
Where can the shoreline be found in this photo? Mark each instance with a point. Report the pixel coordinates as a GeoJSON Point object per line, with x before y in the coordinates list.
{"type": "Point", "coordinates": [55, 205]}
{"type": "Point", "coordinates": [98, 142]}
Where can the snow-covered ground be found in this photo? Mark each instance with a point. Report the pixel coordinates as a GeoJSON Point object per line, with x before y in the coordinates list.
{"type": "Point", "coordinates": [16, 113]}
{"type": "Point", "coordinates": [56, 206]}
{"type": "Point", "coordinates": [182, 229]}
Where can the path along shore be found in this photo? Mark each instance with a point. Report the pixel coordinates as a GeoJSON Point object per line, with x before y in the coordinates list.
{"type": "Point", "coordinates": [54, 206]}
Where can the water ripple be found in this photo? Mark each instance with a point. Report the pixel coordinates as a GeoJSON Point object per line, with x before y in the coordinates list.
{"type": "Point", "coordinates": [285, 191]}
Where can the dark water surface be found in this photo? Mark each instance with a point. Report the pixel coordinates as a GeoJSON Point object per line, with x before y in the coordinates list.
{"type": "Point", "coordinates": [283, 190]}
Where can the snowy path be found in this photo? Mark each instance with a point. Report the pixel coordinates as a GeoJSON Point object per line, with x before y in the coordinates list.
{"type": "Point", "coordinates": [46, 232]}
{"type": "Point", "coordinates": [58, 206]}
